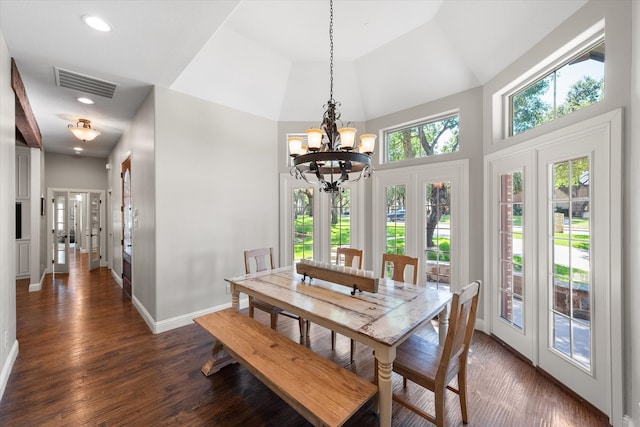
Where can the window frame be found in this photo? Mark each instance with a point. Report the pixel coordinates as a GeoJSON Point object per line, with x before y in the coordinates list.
{"type": "Point", "coordinates": [384, 152]}
{"type": "Point", "coordinates": [502, 99]}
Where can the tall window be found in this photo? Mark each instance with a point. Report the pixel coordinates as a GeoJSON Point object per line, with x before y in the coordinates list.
{"type": "Point", "coordinates": [427, 138]}
{"type": "Point", "coordinates": [572, 287]}
{"type": "Point", "coordinates": [395, 224]}
{"type": "Point", "coordinates": [576, 83]}
{"type": "Point", "coordinates": [340, 220]}
{"type": "Point", "coordinates": [511, 286]}
{"type": "Point", "coordinates": [302, 223]}
{"type": "Point", "coordinates": [438, 234]}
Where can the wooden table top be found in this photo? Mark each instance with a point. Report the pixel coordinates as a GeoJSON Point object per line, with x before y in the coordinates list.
{"type": "Point", "coordinates": [386, 317]}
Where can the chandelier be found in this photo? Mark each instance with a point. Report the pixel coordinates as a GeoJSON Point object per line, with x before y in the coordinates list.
{"type": "Point", "coordinates": [331, 158]}
{"type": "Point", "coordinates": [83, 132]}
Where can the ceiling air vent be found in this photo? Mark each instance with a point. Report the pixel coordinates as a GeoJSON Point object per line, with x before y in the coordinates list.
{"type": "Point", "coordinates": [84, 83]}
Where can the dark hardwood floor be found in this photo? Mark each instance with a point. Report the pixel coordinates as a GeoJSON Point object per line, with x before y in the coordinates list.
{"type": "Point", "coordinates": [87, 358]}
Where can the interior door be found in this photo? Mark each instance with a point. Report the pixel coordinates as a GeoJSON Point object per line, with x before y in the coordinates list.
{"type": "Point", "coordinates": [94, 231]}
{"type": "Point", "coordinates": [60, 232]}
{"type": "Point", "coordinates": [127, 222]}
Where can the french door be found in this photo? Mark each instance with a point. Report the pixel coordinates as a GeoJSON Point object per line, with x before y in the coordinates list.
{"type": "Point", "coordinates": [574, 212]}
{"type": "Point", "coordinates": [421, 212]}
{"type": "Point", "coordinates": [60, 231]}
{"type": "Point", "coordinates": [554, 221]}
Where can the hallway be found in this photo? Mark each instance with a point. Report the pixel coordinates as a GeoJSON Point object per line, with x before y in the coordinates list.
{"type": "Point", "coordinates": [87, 358]}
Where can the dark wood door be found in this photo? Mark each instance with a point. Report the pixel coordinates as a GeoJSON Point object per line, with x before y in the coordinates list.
{"type": "Point", "coordinates": [127, 222]}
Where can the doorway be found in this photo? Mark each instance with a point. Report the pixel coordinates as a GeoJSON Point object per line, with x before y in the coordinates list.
{"type": "Point", "coordinates": [553, 289]}
{"type": "Point", "coordinates": [77, 225]}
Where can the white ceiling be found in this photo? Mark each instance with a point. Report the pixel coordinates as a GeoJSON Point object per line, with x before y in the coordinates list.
{"type": "Point", "coordinates": [269, 58]}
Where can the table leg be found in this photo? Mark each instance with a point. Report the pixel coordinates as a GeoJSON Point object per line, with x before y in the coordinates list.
{"type": "Point", "coordinates": [384, 357]}
{"type": "Point", "coordinates": [443, 324]}
{"type": "Point", "coordinates": [219, 359]}
{"type": "Point", "coordinates": [235, 297]}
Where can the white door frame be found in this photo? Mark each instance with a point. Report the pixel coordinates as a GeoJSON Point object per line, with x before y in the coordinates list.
{"type": "Point", "coordinates": [611, 124]}
{"type": "Point", "coordinates": [50, 191]}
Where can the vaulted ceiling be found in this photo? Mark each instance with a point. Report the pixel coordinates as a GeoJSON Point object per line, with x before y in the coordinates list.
{"type": "Point", "coordinates": [265, 57]}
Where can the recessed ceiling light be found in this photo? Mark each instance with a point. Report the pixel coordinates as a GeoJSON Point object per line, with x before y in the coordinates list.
{"type": "Point", "coordinates": [85, 100]}
{"type": "Point", "coordinates": [77, 149]}
{"type": "Point", "coordinates": [96, 23]}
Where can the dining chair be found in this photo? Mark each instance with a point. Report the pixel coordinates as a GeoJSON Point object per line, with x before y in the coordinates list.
{"type": "Point", "coordinates": [433, 366]}
{"type": "Point", "coordinates": [348, 255]}
{"type": "Point", "coordinates": [399, 263]}
{"type": "Point", "coordinates": [263, 260]}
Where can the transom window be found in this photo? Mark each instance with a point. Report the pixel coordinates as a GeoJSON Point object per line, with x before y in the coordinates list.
{"type": "Point", "coordinates": [574, 84]}
{"type": "Point", "coordinates": [426, 138]}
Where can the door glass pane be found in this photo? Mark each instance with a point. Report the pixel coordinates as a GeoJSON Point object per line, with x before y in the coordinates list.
{"type": "Point", "coordinates": [395, 222]}
{"type": "Point", "coordinates": [438, 234]}
{"type": "Point", "coordinates": [61, 229]}
{"type": "Point", "coordinates": [340, 220]}
{"type": "Point", "coordinates": [511, 298]}
{"type": "Point", "coordinates": [302, 224]}
{"type": "Point", "coordinates": [127, 215]}
{"type": "Point", "coordinates": [94, 212]}
{"type": "Point", "coordinates": [571, 272]}
{"type": "Point", "coordinates": [395, 211]}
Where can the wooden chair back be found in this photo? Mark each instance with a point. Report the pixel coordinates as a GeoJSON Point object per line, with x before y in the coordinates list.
{"type": "Point", "coordinates": [262, 259]}
{"type": "Point", "coordinates": [399, 263]}
{"type": "Point", "coordinates": [348, 254]}
{"type": "Point", "coordinates": [464, 306]}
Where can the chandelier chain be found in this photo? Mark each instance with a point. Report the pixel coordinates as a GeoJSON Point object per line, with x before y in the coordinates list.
{"type": "Point", "coordinates": [331, 51]}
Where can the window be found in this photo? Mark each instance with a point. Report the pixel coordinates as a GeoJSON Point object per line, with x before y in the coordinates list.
{"type": "Point", "coordinates": [511, 288]}
{"type": "Point", "coordinates": [428, 138]}
{"type": "Point", "coordinates": [395, 224]}
{"type": "Point", "coordinates": [571, 242]}
{"type": "Point", "coordinates": [302, 223]}
{"type": "Point", "coordinates": [574, 84]}
{"type": "Point", "coordinates": [438, 234]}
{"type": "Point", "coordinates": [340, 220]}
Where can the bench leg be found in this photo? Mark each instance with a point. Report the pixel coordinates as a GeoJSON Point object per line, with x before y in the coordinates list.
{"type": "Point", "coordinates": [219, 359]}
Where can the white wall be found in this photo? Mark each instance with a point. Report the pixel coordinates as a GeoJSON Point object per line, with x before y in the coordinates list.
{"type": "Point", "coordinates": [138, 142]}
{"type": "Point", "coordinates": [8, 342]}
{"type": "Point", "coordinates": [216, 196]}
{"type": "Point", "coordinates": [631, 223]}
{"type": "Point", "coordinates": [75, 171]}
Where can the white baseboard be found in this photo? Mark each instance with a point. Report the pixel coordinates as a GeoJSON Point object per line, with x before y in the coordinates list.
{"type": "Point", "coordinates": [179, 321]}
{"type": "Point", "coordinates": [8, 367]}
{"type": "Point", "coordinates": [35, 287]}
{"type": "Point", "coordinates": [117, 278]}
{"type": "Point", "coordinates": [627, 421]}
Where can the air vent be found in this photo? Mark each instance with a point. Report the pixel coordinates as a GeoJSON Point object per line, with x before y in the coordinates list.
{"type": "Point", "coordinates": [84, 83]}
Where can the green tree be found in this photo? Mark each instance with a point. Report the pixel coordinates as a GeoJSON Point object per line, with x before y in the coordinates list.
{"type": "Point", "coordinates": [583, 93]}
{"type": "Point", "coordinates": [529, 109]}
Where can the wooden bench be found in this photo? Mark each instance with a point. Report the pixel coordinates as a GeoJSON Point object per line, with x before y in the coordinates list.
{"type": "Point", "coordinates": [321, 391]}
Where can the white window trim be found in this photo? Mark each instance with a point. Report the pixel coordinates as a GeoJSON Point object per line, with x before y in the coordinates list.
{"type": "Point", "coordinates": [383, 157]}
{"type": "Point", "coordinates": [500, 99]}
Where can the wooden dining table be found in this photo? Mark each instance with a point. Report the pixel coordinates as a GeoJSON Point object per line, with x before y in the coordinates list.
{"type": "Point", "coordinates": [381, 320]}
